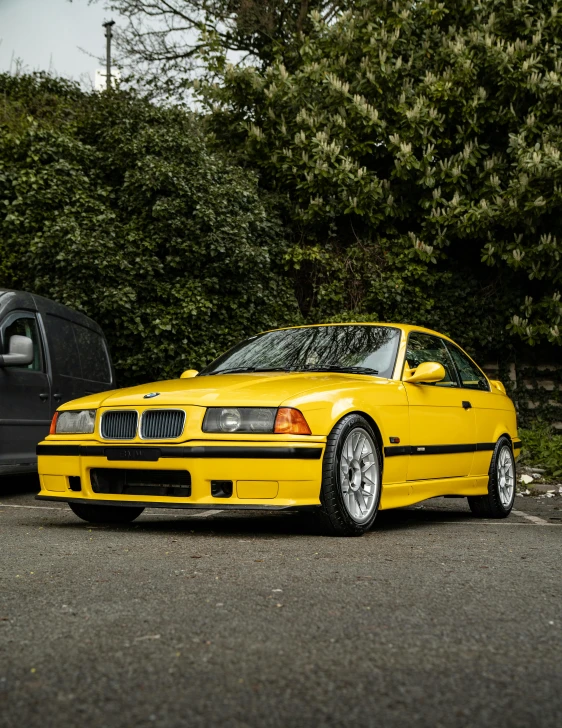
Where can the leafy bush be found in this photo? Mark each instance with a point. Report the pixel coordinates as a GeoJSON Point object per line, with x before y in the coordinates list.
{"type": "Point", "coordinates": [417, 148]}
{"type": "Point", "coordinates": [542, 447]}
{"type": "Point", "coordinates": [119, 209]}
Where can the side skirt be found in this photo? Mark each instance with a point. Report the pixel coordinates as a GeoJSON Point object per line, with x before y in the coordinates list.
{"type": "Point", "coordinates": [399, 495]}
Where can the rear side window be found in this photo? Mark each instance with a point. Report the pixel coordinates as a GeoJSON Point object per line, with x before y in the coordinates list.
{"type": "Point", "coordinates": [62, 344]}
{"type": "Point", "coordinates": [93, 354]}
{"type": "Point", "coordinates": [471, 376]}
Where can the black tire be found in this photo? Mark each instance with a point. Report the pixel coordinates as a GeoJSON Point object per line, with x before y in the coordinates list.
{"type": "Point", "coordinates": [491, 505]}
{"type": "Point", "coordinates": [334, 515]}
{"type": "Point", "coordinates": [106, 514]}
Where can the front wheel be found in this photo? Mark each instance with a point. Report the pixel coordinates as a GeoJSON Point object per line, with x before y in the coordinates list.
{"type": "Point", "coordinates": [105, 514]}
{"type": "Point", "coordinates": [501, 484]}
{"type": "Point", "coordinates": [351, 478]}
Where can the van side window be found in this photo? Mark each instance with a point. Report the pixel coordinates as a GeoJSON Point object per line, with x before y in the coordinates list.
{"type": "Point", "coordinates": [93, 354]}
{"type": "Point", "coordinates": [24, 325]}
{"type": "Point", "coordinates": [63, 346]}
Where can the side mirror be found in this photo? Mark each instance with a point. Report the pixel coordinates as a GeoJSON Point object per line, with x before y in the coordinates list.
{"type": "Point", "coordinates": [189, 373]}
{"type": "Point", "coordinates": [426, 372]}
{"type": "Point", "coordinates": [21, 352]}
{"type": "Point", "coordinates": [498, 385]}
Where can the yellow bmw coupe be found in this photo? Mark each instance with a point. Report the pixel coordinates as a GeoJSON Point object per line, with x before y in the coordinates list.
{"type": "Point", "coordinates": [345, 419]}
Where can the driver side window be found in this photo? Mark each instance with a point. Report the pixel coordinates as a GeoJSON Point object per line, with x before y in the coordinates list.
{"type": "Point", "coordinates": [24, 325]}
{"type": "Point", "coordinates": [424, 347]}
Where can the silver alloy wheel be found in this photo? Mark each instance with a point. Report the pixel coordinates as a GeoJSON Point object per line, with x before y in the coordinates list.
{"type": "Point", "coordinates": [359, 475]}
{"type": "Point", "coordinates": [505, 476]}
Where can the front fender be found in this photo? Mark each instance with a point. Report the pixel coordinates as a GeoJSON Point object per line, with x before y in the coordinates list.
{"type": "Point", "coordinates": [384, 401]}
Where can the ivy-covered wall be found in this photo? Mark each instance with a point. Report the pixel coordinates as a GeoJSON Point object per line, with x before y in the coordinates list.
{"type": "Point", "coordinates": [534, 383]}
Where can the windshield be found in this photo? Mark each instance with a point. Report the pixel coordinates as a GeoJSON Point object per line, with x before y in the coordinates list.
{"type": "Point", "coordinates": [358, 349]}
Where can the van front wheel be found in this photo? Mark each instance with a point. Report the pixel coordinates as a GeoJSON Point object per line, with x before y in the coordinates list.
{"type": "Point", "coordinates": [105, 514]}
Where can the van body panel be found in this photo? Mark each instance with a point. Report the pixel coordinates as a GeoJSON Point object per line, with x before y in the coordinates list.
{"type": "Point", "coordinates": [71, 360]}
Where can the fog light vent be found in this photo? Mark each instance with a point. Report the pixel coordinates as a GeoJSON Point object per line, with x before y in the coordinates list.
{"type": "Point", "coordinates": [221, 488]}
{"type": "Point", "coordinates": [74, 482]}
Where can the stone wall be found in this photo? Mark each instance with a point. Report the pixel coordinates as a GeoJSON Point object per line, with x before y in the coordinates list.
{"type": "Point", "coordinates": [536, 389]}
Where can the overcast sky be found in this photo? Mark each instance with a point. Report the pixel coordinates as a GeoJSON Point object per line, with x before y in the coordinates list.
{"type": "Point", "coordinates": [48, 34]}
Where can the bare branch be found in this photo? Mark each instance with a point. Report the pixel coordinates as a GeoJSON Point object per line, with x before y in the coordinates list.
{"type": "Point", "coordinates": [165, 41]}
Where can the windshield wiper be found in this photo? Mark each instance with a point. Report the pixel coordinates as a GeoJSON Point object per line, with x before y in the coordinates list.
{"type": "Point", "coordinates": [343, 370]}
{"type": "Point", "coordinates": [234, 370]}
{"type": "Point", "coordinates": [333, 368]}
{"type": "Point", "coordinates": [242, 370]}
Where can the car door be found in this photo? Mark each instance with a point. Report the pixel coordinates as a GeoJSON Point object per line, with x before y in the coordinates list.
{"type": "Point", "coordinates": [25, 395]}
{"type": "Point", "coordinates": [442, 430]}
{"type": "Point", "coordinates": [477, 392]}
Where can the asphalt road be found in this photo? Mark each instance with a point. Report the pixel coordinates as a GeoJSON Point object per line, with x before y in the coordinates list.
{"type": "Point", "coordinates": [434, 618]}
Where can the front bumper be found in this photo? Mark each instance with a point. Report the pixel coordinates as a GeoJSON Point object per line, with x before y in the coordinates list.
{"type": "Point", "coordinates": [263, 475]}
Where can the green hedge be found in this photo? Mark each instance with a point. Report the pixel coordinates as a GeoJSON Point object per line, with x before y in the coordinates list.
{"type": "Point", "coordinates": [542, 447]}
{"type": "Point", "coordinates": [118, 208]}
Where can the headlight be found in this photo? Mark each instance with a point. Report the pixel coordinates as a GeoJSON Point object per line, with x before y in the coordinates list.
{"type": "Point", "coordinates": [248, 420]}
{"type": "Point", "coordinates": [74, 422]}
{"type": "Point", "coordinates": [239, 419]}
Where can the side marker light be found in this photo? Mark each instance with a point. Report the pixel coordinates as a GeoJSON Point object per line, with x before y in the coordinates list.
{"type": "Point", "coordinates": [290, 421]}
{"type": "Point", "coordinates": [53, 428]}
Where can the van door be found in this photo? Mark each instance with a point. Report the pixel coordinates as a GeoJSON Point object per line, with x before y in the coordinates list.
{"type": "Point", "coordinates": [66, 372]}
{"type": "Point", "coordinates": [94, 359]}
{"type": "Point", "coordinates": [25, 396]}
{"type": "Point", "coordinates": [79, 359]}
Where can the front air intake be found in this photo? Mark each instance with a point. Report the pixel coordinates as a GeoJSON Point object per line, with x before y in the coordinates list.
{"type": "Point", "coordinates": [115, 481]}
{"type": "Point", "coordinates": [162, 424]}
{"type": "Point", "coordinates": [119, 425]}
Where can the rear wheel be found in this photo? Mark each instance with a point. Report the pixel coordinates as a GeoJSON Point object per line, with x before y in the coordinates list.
{"type": "Point", "coordinates": [501, 484]}
{"type": "Point", "coordinates": [105, 514]}
{"type": "Point", "coordinates": [351, 478]}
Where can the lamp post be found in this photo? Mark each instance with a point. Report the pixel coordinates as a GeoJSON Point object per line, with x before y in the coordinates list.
{"type": "Point", "coordinates": [108, 35]}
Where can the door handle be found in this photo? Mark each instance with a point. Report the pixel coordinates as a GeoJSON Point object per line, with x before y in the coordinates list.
{"type": "Point", "coordinates": [43, 396]}
{"type": "Point", "coordinates": [57, 396]}
{"type": "Point", "coordinates": [466, 404]}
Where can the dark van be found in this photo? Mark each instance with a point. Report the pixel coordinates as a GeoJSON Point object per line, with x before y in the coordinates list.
{"type": "Point", "coordinates": [49, 354]}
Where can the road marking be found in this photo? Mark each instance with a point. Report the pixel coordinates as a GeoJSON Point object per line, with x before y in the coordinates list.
{"type": "Point", "coordinates": [494, 522]}
{"type": "Point", "coordinates": [534, 519]}
{"type": "Point", "coordinates": [205, 514]}
{"type": "Point", "coordinates": [42, 508]}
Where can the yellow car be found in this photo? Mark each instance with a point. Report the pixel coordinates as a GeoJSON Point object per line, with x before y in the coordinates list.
{"type": "Point", "coordinates": [344, 419]}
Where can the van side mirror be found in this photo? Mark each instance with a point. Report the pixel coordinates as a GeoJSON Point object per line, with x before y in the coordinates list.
{"type": "Point", "coordinates": [426, 372]}
{"type": "Point", "coordinates": [189, 373]}
{"type": "Point", "coordinates": [21, 352]}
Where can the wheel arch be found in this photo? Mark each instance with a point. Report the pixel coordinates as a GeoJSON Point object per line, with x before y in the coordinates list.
{"type": "Point", "coordinates": [504, 434]}
{"type": "Point", "coordinates": [376, 430]}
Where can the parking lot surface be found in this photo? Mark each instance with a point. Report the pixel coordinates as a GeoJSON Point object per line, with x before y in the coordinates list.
{"type": "Point", "coordinates": [434, 618]}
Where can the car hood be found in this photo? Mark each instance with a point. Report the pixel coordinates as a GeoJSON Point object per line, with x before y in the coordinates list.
{"type": "Point", "coordinates": [253, 390]}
